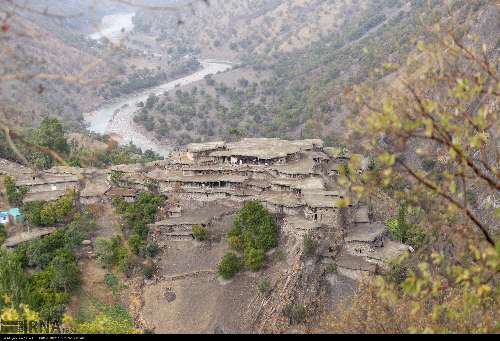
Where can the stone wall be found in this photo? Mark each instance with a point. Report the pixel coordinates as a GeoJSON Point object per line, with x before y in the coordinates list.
{"type": "Point", "coordinates": [359, 248]}
{"type": "Point", "coordinates": [90, 200]}
{"type": "Point", "coordinates": [292, 210]}
{"type": "Point", "coordinates": [54, 187]}
{"type": "Point", "coordinates": [354, 274]}
{"type": "Point", "coordinates": [166, 187]}
{"type": "Point", "coordinates": [203, 197]}
{"type": "Point", "coordinates": [280, 209]}
{"type": "Point", "coordinates": [327, 216]}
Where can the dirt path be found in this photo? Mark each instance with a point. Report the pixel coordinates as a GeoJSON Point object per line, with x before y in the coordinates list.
{"type": "Point", "coordinates": [93, 288]}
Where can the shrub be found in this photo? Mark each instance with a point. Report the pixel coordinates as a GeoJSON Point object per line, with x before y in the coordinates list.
{"type": "Point", "coordinates": [200, 233]}
{"type": "Point", "coordinates": [310, 246]}
{"type": "Point", "coordinates": [41, 213]}
{"type": "Point", "coordinates": [32, 212]}
{"type": "Point", "coordinates": [428, 164]}
{"type": "Point", "coordinates": [3, 234]}
{"type": "Point", "coordinates": [254, 258]}
{"type": "Point", "coordinates": [14, 195]}
{"type": "Point", "coordinates": [265, 287]}
{"type": "Point", "coordinates": [397, 273]}
{"type": "Point", "coordinates": [331, 268]}
{"type": "Point", "coordinates": [79, 229]}
{"type": "Point", "coordinates": [104, 251]}
{"type": "Point", "coordinates": [117, 177]}
{"type": "Point", "coordinates": [111, 280]}
{"type": "Point", "coordinates": [48, 214]}
{"type": "Point", "coordinates": [229, 266]}
{"type": "Point", "coordinates": [152, 250]}
{"type": "Point", "coordinates": [235, 240]}
{"type": "Point", "coordinates": [280, 255]}
{"type": "Point", "coordinates": [136, 244]}
{"type": "Point", "coordinates": [120, 205]}
{"type": "Point", "coordinates": [401, 230]}
{"type": "Point", "coordinates": [296, 313]}
{"type": "Point", "coordinates": [149, 271]}
{"type": "Point", "coordinates": [111, 252]}
{"type": "Point", "coordinates": [109, 319]}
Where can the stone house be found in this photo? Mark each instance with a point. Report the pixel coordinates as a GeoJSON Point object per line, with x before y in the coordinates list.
{"type": "Point", "coordinates": [46, 186]}
{"type": "Point", "coordinates": [128, 194]}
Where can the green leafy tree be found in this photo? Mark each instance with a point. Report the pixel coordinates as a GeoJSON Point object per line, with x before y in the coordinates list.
{"type": "Point", "coordinates": [254, 232]}
{"type": "Point", "coordinates": [137, 216]}
{"type": "Point", "coordinates": [461, 298]}
{"type": "Point", "coordinates": [14, 283]}
{"type": "Point", "coordinates": [136, 243]}
{"type": "Point", "coordinates": [14, 194]}
{"type": "Point", "coordinates": [44, 272]}
{"type": "Point", "coordinates": [254, 258]}
{"type": "Point", "coordinates": [32, 211]}
{"type": "Point", "coordinates": [443, 110]}
{"type": "Point", "coordinates": [256, 226]}
{"type": "Point", "coordinates": [402, 230]}
{"type": "Point", "coordinates": [229, 265]}
{"type": "Point", "coordinates": [41, 160]}
{"type": "Point", "coordinates": [41, 213]}
{"type": "Point", "coordinates": [63, 271]}
{"type": "Point", "coordinates": [50, 134]}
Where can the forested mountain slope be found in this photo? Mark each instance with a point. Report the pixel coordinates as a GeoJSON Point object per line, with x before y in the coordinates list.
{"type": "Point", "coordinates": [287, 86]}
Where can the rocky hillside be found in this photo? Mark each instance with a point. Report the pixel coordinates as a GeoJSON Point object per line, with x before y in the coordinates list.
{"type": "Point", "coordinates": [48, 67]}
{"type": "Point", "coordinates": [232, 28]}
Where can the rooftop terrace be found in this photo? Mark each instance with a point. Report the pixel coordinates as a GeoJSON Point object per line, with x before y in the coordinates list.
{"type": "Point", "coordinates": [177, 176]}
{"type": "Point", "coordinates": [204, 147]}
{"type": "Point", "coordinates": [45, 179]}
{"type": "Point", "coordinates": [266, 148]}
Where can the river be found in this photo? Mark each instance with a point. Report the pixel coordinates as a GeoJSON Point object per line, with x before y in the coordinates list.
{"type": "Point", "coordinates": [116, 117]}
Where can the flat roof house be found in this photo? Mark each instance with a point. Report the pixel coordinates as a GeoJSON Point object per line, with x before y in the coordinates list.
{"type": "Point", "coordinates": [46, 186]}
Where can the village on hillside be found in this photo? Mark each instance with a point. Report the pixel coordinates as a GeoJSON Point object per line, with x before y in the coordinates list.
{"type": "Point", "coordinates": [204, 188]}
{"type": "Point", "coordinates": [295, 180]}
